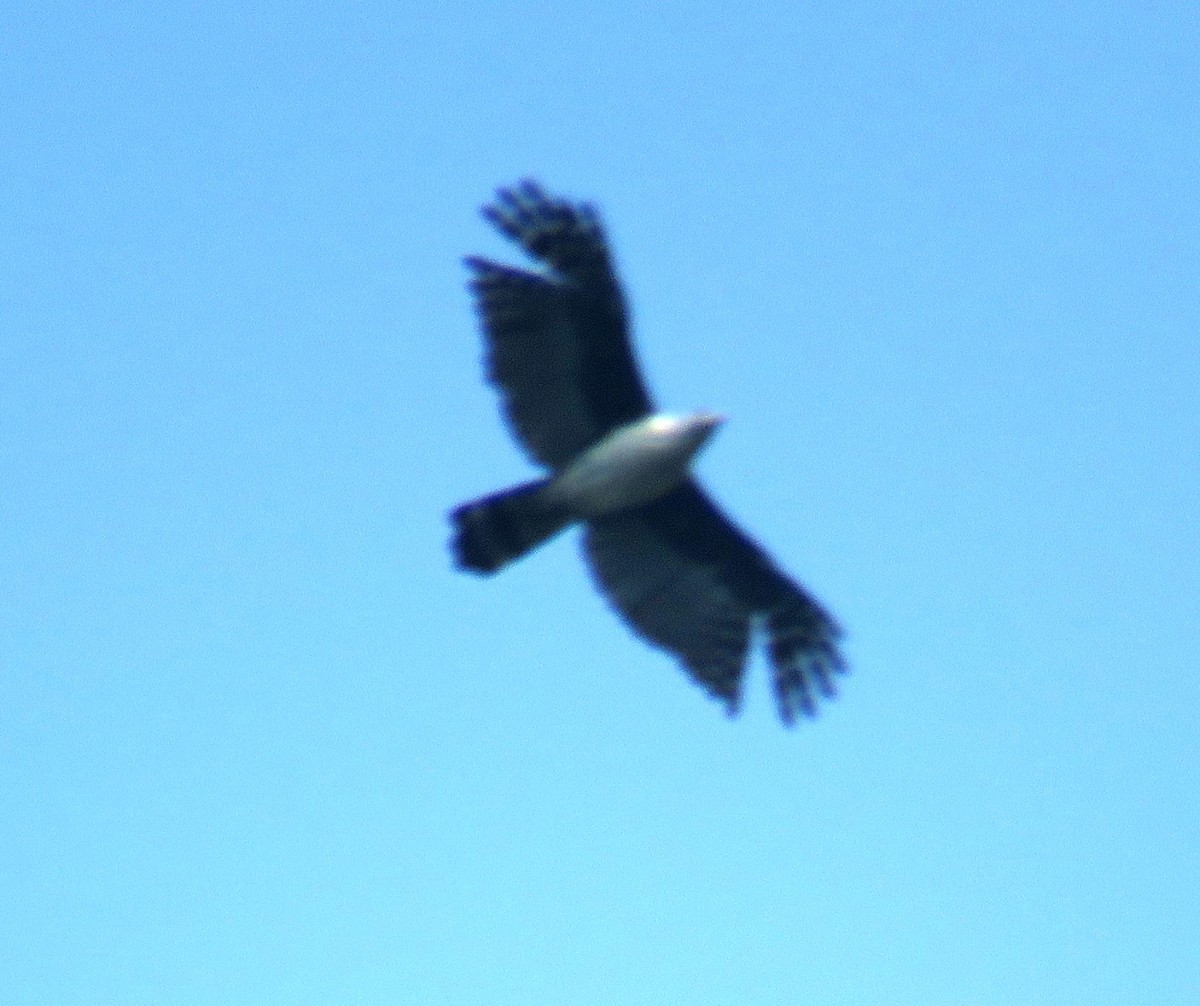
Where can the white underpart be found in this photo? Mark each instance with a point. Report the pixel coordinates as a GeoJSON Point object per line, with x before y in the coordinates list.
{"type": "Point", "coordinates": [634, 464]}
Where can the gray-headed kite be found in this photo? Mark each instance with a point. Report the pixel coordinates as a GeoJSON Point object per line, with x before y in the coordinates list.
{"type": "Point", "coordinates": [682, 575]}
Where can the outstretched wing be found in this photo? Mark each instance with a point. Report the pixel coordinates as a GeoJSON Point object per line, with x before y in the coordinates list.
{"type": "Point", "coordinates": [688, 580]}
{"type": "Point", "coordinates": [558, 343]}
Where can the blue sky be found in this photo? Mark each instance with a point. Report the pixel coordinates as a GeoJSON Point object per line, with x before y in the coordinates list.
{"type": "Point", "coordinates": [258, 741]}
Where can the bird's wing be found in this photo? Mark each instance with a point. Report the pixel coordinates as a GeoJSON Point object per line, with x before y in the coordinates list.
{"type": "Point", "coordinates": [688, 580]}
{"type": "Point", "coordinates": [558, 344]}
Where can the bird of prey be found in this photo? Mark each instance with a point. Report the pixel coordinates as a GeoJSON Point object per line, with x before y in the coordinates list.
{"type": "Point", "coordinates": [680, 573]}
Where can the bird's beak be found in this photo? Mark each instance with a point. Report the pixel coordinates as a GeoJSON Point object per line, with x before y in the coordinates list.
{"type": "Point", "coordinates": [710, 423]}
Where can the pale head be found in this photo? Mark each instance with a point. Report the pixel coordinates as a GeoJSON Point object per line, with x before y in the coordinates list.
{"type": "Point", "coordinates": [692, 430]}
{"type": "Point", "coordinates": [700, 426]}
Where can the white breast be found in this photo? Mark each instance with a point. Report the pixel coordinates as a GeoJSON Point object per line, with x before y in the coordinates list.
{"type": "Point", "coordinates": [634, 464]}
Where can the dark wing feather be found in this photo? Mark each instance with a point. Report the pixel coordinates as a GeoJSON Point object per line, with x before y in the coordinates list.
{"type": "Point", "coordinates": [558, 343]}
{"type": "Point", "coordinates": [688, 580]}
{"type": "Point", "coordinates": [671, 602]}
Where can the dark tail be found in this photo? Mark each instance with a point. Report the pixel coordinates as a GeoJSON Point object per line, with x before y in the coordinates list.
{"type": "Point", "coordinates": [492, 531]}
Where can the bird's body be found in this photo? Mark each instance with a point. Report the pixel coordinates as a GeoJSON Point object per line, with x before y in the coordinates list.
{"type": "Point", "coordinates": [633, 465]}
{"type": "Point", "coordinates": [683, 576]}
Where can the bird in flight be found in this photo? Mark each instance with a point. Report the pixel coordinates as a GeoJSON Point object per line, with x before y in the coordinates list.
{"type": "Point", "coordinates": [676, 569]}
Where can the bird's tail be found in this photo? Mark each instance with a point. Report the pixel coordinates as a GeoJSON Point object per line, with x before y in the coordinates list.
{"type": "Point", "coordinates": [492, 531]}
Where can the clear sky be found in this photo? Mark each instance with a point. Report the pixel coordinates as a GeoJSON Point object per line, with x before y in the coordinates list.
{"type": "Point", "coordinates": [259, 743]}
